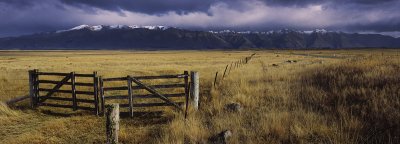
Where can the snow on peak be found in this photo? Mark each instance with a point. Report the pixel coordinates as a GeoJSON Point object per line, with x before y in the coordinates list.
{"type": "Point", "coordinates": [155, 27]}
{"type": "Point", "coordinates": [101, 27]}
{"type": "Point", "coordinates": [80, 27]}
{"type": "Point", "coordinates": [97, 27]}
{"type": "Point", "coordinates": [134, 26]}
{"type": "Point", "coordinates": [307, 32]}
{"type": "Point", "coordinates": [321, 31]}
{"type": "Point", "coordinates": [282, 31]}
{"type": "Point", "coordinates": [118, 26]}
{"type": "Point", "coordinates": [316, 31]}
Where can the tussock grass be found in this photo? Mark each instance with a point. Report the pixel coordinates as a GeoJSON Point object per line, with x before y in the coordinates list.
{"type": "Point", "coordinates": [348, 101]}
{"type": "Point", "coordinates": [362, 95]}
{"type": "Point", "coordinates": [325, 97]}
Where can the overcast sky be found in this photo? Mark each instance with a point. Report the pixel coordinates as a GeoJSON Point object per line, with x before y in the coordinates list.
{"type": "Point", "coordinates": [19, 17]}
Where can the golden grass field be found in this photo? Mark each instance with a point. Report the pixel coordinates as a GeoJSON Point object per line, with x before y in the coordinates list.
{"type": "Point", "coordinates": [327, 96]}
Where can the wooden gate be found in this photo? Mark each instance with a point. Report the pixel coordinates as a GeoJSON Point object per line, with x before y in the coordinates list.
{"type": "Point", "coordinates": [90, 92]}
{"type": "Point", "coordinates": [67, 92]}
{"type": "Point", "coordinates": [130, 90]}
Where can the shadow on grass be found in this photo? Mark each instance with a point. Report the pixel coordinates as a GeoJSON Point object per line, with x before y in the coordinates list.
{"type": "Point", "coordinates": [146, 118]}
{"type": "Point", "coordinates": [364, 92]}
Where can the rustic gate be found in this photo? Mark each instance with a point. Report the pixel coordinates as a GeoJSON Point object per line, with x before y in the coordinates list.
{"type": "Point", "coordinates": [145, 89]}
{"type": "Point", "coordinates": [67, 92]}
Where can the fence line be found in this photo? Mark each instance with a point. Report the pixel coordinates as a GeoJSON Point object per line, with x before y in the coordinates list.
{"type": "Point", "coordinates": [232, 66]}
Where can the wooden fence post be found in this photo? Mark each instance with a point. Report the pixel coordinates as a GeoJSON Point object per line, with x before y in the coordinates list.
{"type": "Point", "coordinates": [112, 123]}
{"type": "Point", "coordinates": [230, 69]}
{"type": "Point", "coordinates": [102, 95]}
{"type": "Point", "coordinates": [32, 88]}
{"type": "Point", "coordinates": [73, 88]}
{"type": "Point", "coordinates": [186, 73]}
{"type": "Point", "coordinates": [36, 86]}
{"type": "Point", "coordinates": [194, 89]}
{"type": "Point", "coordinates": [129, 83]}
{"type": "Point", "coordinates": [96, 92]}
{"type": "Point", "coordinates": [216, 77]}
{"type": "Point", "coordinates": [223, 76]}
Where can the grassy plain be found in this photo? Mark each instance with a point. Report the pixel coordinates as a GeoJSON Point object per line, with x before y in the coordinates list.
{"type": "Point", "coordinates": [327, 96]}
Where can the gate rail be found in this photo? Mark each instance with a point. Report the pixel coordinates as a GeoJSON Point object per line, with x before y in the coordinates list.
{"type": "Point", "coordinates": [69, 79]}
{"type": "Point", "coordinates": [153, 89]}
{"type": "Point", "coordinates": [45, 89]}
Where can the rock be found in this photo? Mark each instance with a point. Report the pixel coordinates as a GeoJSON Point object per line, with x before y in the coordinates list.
{"type": "Point", "coordinates": [221, 138]}
{"type": "Point", "coordinates": [275, 65]}
{"type": "Point", "coordinates": [234, 107]}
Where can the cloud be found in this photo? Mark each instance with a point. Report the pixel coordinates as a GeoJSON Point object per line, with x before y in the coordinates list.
{"type": "Point", "coordinates": [144, 6]}
{"type": "Point", "coordinates": [258, 14]}
{"type": "Point", "coordinates": [44, 15]}
{"type": "Point", "coordinates": [184, 6]}
{"type": "Point", "coordinates": [24, 16]}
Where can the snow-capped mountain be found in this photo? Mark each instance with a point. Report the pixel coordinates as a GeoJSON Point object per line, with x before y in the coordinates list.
{"type": "Point", "coordinates": [111, 27]}
{"type": "Point", "coordinates": [283, 31]}
{"type": "Point", "coordinates": [162, 37]}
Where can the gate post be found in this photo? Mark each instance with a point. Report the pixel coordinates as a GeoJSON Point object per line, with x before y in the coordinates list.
{"type": "Point", "coordinates": [36, 86]}
{"type": "Point", "coordinates": [194, 89]}
{"type": "Point", "coordinates": [186, 73]}
{"type": "Point", "coordinates": [130, 95]}
{"type": "Point", "coordinates": [73, 89]}
{"type": "Point", "coordinates": [102, 96]}
{"type": "Point", "coordinates": [32, 88]}
{"type": "Point", "coordinates": [96, 92]}
{"type": "Point", "coordinates": [112, 123]}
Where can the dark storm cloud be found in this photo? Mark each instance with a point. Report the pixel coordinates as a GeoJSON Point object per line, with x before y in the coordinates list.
{"type": "Point", "coordinates": [182, 6]}
{"type": "Point", "coordinates": [146, 6]}
{"type": "Point", "coordinates": [27, 16]}
{"type": "Point", "coordinates": [18, 3]}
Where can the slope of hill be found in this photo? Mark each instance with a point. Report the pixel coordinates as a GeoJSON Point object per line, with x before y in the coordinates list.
{"type": "Point", "coordinates": [161, 37]}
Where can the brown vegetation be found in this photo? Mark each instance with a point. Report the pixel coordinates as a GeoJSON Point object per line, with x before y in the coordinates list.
{"type": "Point", "coordinates": [350, 98]}
{"type": "Point", "coordinates": [362, 97]}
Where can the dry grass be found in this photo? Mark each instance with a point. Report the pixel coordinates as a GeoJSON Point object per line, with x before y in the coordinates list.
{"type": "Point", "coordinates": [326, 97]}
{"type": "Point", "coordinates": [362, 95]}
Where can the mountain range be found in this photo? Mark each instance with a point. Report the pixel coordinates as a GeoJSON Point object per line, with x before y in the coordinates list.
{"type": "Point", "coordinates": [162, 37]}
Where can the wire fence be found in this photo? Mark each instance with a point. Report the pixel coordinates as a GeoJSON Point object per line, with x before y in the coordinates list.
{"type": "Point", "coordinates": [230, 67]}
